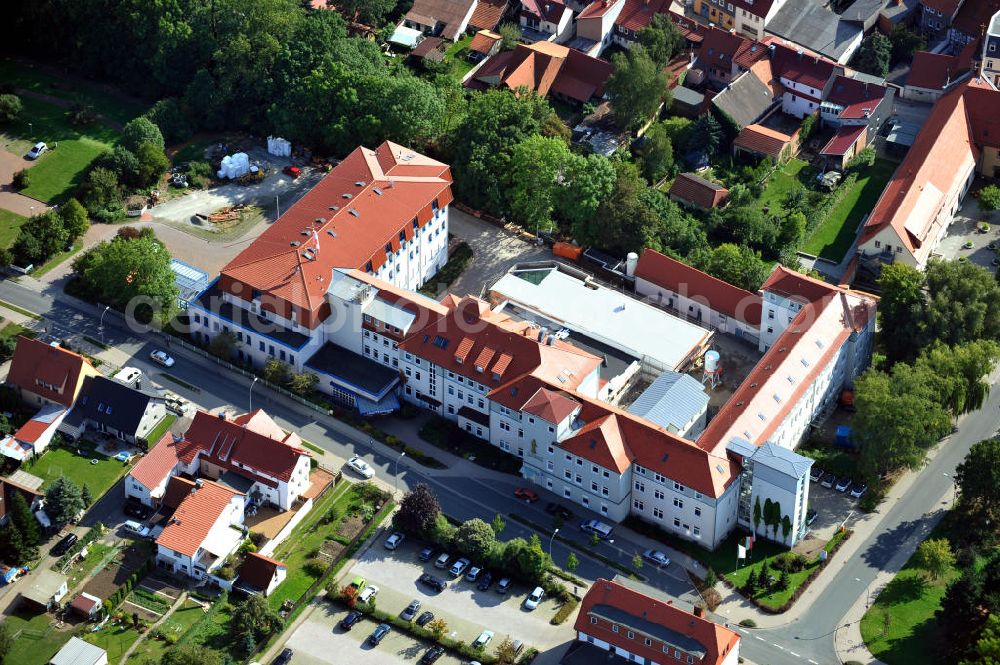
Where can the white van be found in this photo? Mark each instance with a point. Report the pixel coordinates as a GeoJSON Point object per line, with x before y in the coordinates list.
{"type": "Point", "coordinates": [130, 376]}
{"type": "Point", "coordinates": [137, 529]}
{"type": "Point", "coordinates": [598, 528]}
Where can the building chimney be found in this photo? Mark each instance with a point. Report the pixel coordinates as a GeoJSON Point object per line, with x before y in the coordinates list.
{"type": "Point", "coordinates": [699, 611]}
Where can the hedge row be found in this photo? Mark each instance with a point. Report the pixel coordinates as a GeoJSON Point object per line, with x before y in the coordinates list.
{"type": "Point", "coordinates": [564, 611]}
{"type": "Point", "coordinates": [120, 594]}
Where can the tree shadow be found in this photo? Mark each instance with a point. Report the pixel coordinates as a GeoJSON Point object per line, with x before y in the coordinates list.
{"type": "Point", "coordinates": [904, 589]}
{"type": "Point", "coordinates": [890, 542]}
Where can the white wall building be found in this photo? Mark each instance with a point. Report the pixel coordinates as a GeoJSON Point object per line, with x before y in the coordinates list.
{"type": "Point", "coordinates": [206, 528]}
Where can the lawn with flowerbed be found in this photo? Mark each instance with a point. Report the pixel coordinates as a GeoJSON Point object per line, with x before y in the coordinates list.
{"type": "Point", "coordinates": [80, 468]}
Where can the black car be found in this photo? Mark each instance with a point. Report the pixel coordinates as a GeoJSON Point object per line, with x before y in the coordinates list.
{"type": "Point", "coordinates": [137, 510]}
{"type": "Point", "coordinates": [485, 581]}
{"type": "Point", "coordinates": [63, 545]}
{"type": "Point", "coordinates": [379, 634]}
{"type": "Point", "coordinates": [425, 618]}
{"type": "Point", "coordinates": [431, 655]}
{"type": "Point", "coordinates": [352, 618]}
{"type": "Point", "coordinates": [815, 474]}
{"type": "Point", "coordinates": [435, 583]}
{"type": "Point", "coordinates": [283, 657]}
{"type": "Point", "coordinates": [426, 554]}
{"type": "Point", "coordinates": [811, 516]}
{"type": "Point", "coordinates": [559, 511]}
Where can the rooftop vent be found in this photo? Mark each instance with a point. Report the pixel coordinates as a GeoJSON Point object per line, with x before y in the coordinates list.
{"type": "Point", "coordinates": [331, 233]}
{"type": "Point", "coordinates": [360, 183]}
{"type": "Point", "coordinates": [319, 220]}
{"type": "Point", "coordinates": [345, 195]}
{"type": "Point", "coordinates": [378, 192]}
{"type": "Point", "coordinates": [407, 156]}
{"type": "Point", "coordinates": [334, 208]}
{"type": "Point", "coordinates": [353, 212]}
{"type": "Point", "coordinates": [295, 243]}
{"type": "Point", "coordinates": [305, 232]}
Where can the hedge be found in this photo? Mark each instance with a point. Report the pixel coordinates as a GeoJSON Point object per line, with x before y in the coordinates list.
{"type": "Point", "coordinates": [564, 611]}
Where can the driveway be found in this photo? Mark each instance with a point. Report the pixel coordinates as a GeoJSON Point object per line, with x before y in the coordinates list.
{"type": "Point", "coordinates": [10, 199]}
{"type": "Point", "coordinates": [494, 252]}
{"type": "Point", "coordinates": [466, 609]}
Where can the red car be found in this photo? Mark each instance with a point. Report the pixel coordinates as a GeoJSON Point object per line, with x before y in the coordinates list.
{"type": "Point", "coordinates": [526, 494]}
{"type": "Point", "coordinates": [293, 171]}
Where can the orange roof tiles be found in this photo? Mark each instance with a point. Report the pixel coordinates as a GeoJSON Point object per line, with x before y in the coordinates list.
{"type": "Point", "coordinates": [684, 279]}
{"type": "Point", "coordinates": [195, 517]}
{"type": "Point", "coordinates": [802, 67]}
{"type": "Point", "coordinates": [545, 67]}
{"type": "Point", "coordinates": [932, 70]}
{"type": "Point", "coordinates": [550, 405]}
{"type": "Point", "coordinates": [716, 641]}
{"type": "Point", "coordinates": [396, 186]}
{"type": "Point", "coordinates": [697, 191]}
{"type": "Point", "coordinates": [762, 140]}
{"type": "Point", "coordinates": [484, 41]}
{"type": "Point", "coordinates": [54, 366]}
{"type": "Point", "coordinates": [462, 352]}
{"type": "Point", "coordinates": [790, 283]}
{"type": "Point", "coordinates": [157, 463]}
{"type": "Point", "coordinates": [721, 48]}
{"type": "Point", "coordinates": [487, 15]}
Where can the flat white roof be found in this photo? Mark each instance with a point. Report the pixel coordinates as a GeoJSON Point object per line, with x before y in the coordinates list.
{"type": "Point", "coordinates": [222, 541]}
{"type": "Point", "coordinates": [608, 316]}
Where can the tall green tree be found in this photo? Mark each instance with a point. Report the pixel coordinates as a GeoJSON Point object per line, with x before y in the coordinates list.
{"type": "Point", "coordinates": [74, 219]}
{"type": "Point", "coordinates": [475, 539]}
{"type": "Point", "coordinates": [656, 152]}
{"type": "Point", "coordinates": [63, 501]}
{"type": "Point", "coordinates": [27, 524]}
{"type": "Point", "coordinates": [934, 557]}
{"type": "Point", "coordinates": [978, 481]}
{"type": "Point", "coordinates": [737, 264]}
{"type": "Point", "coordinates": [139, 131]}
{"type": "Point", "coordinates": [636, 88]}
{"type": "Point", "coordinates": [253, 620]}
{"type": "Point", "coordinates": [586, 183]}
{"type": "Point", "coordinates": [369, 12]}
{"type": "Point", "coordinates": [873, 55]}
{"type": "Point", "coordinates": [12, 547]}
{"type": "Point", "coordinates": [963, 303]}
{"type": "Point", "coordinates": [706, 133]}
{"type": "Point", "coordinates": [6, 642]}
{"type": "Point", "coordinates": [537, 166]}
{"type": "Point", "coordinates": [661, 39]}
{"type": "Point", "coordinates": [901, 309]}
{"type": "Point", "coordinates": [10, 108]}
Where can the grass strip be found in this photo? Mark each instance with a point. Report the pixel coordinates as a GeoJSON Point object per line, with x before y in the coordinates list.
{"type": "Point", "coordinates": [313, 447]}
{"type": "Point", "coordinates": [19, 310]}
{"type": "Point", "coordinates": [161, 428]}
{"type": "Point", "coordinates": [180, 382]}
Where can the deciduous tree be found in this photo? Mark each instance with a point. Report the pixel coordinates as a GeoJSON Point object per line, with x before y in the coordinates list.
{"type": "Point", "coordinates": [253, 620]}
{"type": "Point", "coordinates": [935, 557]}
{"type": "Point", "coordinates": [474, 538]}
{"type": "Point", "coordinates": [138, 131]}
{"type": "Point", "coordinates": [656, 152]}
{"type": "Point", "coordinates": [537, 165]}
{"type": "Point", "coordinates": [978, 480]}
{"type": "Point", "coordinates": [418, 511]}
{"type": "Point", "coordinates": [10, 108]}
{"type": "Point", "coordinates": [636, 88]}
{"type": "Point", "coordinates": [661, 39]}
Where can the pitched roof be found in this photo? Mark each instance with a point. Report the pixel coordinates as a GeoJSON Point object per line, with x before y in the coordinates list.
{"type": "Point", "coordinates": [487, 14]}
{"type": "Point", "coordinates": [37, 365]}
{"type": "Point", "coordinates": [721, 48]}
{"type": "Point", "coordinates": [697, 191]}
{"type": "Point", "coordinates": [973, 15]}
{"type": "Point", "coordinates": [8, 488]}
{"type": "Point", "coordinates": [449, 12]}
{"type": "Point", "coordinates": [859, 98]}
{"type": "Point", "coordinates": [157, 464]}
{"type": "Point", "coordinates": [484, 41]}
{"type": "Point", "coordinates": [111, 403]}
{"type": "Point", "coordinates": [681, 278]}
{"type": "Point", "coordinates": [762, 140]}
{"type": "Point", "coordinates": [396, 186]}
{"type": "Point", "coordinates": [747, 98]}
{"type": "Point", "coordinates": [177, 490]}
{"type": "Point", "coordinates": [258, 570]}
{"type": "Point", "coordinates": [85, 603]}
{"type": "Point", "coordinates": [430, 47]}
{"type": "Point", "coordinates": [550, 405]}
{"type": "Point", "coordinates": [796, 65]}
{"type": "Point", "coordinates": [195, 517]}
{"type": "Point", "coordinates": [78, 652]}
{"type": "Point", "coordinates": [550, 11]}
{"type": "Point", "coordinates": [652, 617]}
{"type": "Point", "coordinates": [793, 284]}
{"type": "Point", "coordinates": [671, 401]}
{"type": "Point", "coordinates": [39, 424]}
{"type": "Point", "coordinates": [841, 142]}
{"type": "Point", "coordinates": [932, 70]}
{"type": "Point", "coordinates": [545, 68]}
{"type": "Point", "coordinates": [816, 27]}
{"type": "Point", "coordinates": [944, 150]}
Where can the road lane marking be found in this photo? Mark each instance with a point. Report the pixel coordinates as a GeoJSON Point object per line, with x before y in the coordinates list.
{"type": "Point", "coordinates": [793, 653]}
{"type": "Point", "coordinates": [758, 637]}
{"type": "Point", "coordinates": [813, 662]}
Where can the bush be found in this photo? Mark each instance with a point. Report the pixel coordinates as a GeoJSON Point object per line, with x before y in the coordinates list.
{"type": "Point", "coordinates": [200, 174]}
{"type": "Point", "coordinates": [989, 197]}
{"type": "Point", "coordinates": [789, 562]}
{"type": "Point", "coordinates": [10, 108]}
{"type": "Point", "coordinates": [748, 623]}
{"type": "Point", "coordinates": [563, 613]}
{"type": "Point", "coordinates": [20, 180]}
{"type": "Point", "coordinates": [315, 567]}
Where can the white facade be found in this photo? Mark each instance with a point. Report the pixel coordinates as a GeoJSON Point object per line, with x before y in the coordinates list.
{"type": "Point", "coordinates": [799, 99]}
{"type": "Point", "coordinates": [221, 537]}
{"type": "Point", "coordinates": [600, 28]}
{"type": "Point", "coordinates": [558, 32]}
{"type": "Point", "coordinates": [696, 308]}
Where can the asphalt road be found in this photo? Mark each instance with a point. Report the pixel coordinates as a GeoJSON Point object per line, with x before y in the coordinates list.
{"type": "Point", "coordinates": [806, 639]}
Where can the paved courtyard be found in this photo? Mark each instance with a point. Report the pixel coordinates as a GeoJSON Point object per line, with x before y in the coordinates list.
{"type": "Point", "coordinates": [11, 163]}
{"type": "Point", "coordinates": [965, 229]}
{"type": "Point", "coordinates": [494, 252]}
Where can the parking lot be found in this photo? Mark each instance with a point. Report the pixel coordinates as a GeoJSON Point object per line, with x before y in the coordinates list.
{"type": "Point", "coordinates": [964, 231]}
{"type": "Point", "coordinates": [832, 508]}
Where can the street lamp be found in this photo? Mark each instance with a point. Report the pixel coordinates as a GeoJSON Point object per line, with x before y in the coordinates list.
{"type": "Point", "coordinates": [100, 325]}
{"type": "Point", "coordinates": [551, 538]}
{"type": "Point", "coordinates": [31, 129]}
{"type": "Point", "coordinates": [395, 475]}
{"type": "Point", "coordinates": [252, 384]}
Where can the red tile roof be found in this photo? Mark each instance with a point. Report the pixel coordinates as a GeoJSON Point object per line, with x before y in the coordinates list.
{"type": "Point", "coordinates": [550, 405]}
{"type": "Point", "coordinates": [946, 146]}
{"type": "Point", "coordinates": [974, 15]}
{"type": "Point", "coordinates": [843, 140]}
{"type": "Point", "coordinates": [695, 190]}
{"type": "Point", "coordinates": [855, 96]}
{"type": "Point", "coordinates": [85, 604]}
{"type": "Point", "coordinates": [195, 517]}
{"type": "Point", "coordinates": [550, 11]}
{"type": "Point", "coordinates": [258, 570]}
{"type": "Point", "coordinates": [36, 361]}
{"type": "Point", "coordinates": [804, 68]}
{"type": "Point", "coordinates": [614, 602]}
{"type": "Point", "coordinates": [597, 8]}
{"type": "Point", "coordinates": [396, 186]}
{"type": "Point", "coordinates": [681, 278]}
{"type": "Point", "coordinates": [484, 41]}
{"type": "Point", "coordinates": [547, 68]}
{"type": "Point", "coordinates": [158, 463]}
{"type": "Point", "coordinates": [762, 140]}
{"type": "Point", "coordinates": [39, 424]}
{"type": "Point", "coordinates": [177, 490]}
{"type": "Point", "coordinates": [487, 15]}
{"type": "Point", "coordinates": [721, 48]}
{"type": "Point", "coordinates": [792, 284]}
{"type": "Point", "coordinates": [931, 70]}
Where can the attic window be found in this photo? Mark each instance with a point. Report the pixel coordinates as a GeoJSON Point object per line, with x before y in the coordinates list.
{"type": "Point", "coordinates": [305, 232]}
{"type": "Point", "coordinates": [108, 410]}
{"type": "Point", "coordinates": [777, 398]}
{"type": "Point", "coordinates": [440, 342]}
{"type": "Point", "coordinates": [761, 416]}
{"type": "Point", "coordinates": [100, 407]}
{"type": "Point", "coordinates": [665, 457]}
{"type": "Point", "coordinates": [334, 208]}
{"type": "Point", "coordinates": [378, 192]}
{"type": "Point", "coordinates": [746, 434]}
{"type": "Point", "coordinates": [718, 467]}
{"type": "Point", "coordinates": [360, 183]}
{"type": "Point", "coordinates": [295, 243]}
{"type": "Point", "coordinates": [593, 444]}
{"type": "Point", "coordinates": [513, 391]}
{"type": "Point", "coordinates": [331, 233]}
{"type": "Point", "coordinates": [820, 343]}
{"type": "Point", "coordinates": [345, 196]}
{"type": "Point", "coordinates": [319, 220]}
{"type": "Point", "coordinates": [805, 362]}
{"type": "Point", "coordinates": [353, 213]}
{"type": "Point", "coordinates": [790, 378]}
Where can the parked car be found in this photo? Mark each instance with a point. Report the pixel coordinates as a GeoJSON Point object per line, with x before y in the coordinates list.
{"type": "Point", "coordinates": [811, 516]}
{"type": "Point", "coordinates": [485, 581]}
{"type": "Point", "coordinates": [843, 484]}
{"type": "Point", "coordinates": [360, 467]}
{"type": "Point", "coordinates": [473, 574]}
{"type": "Point", "coordinates": [136, 529]}
{"type": "Point", "coordinates": [358, 584]}
{"type": "Point", "coordinates": [37, 150]}
{"type": "Point", "coordinates": [435, 583]}
{"type": "Point", "coordinates": [459, 567]}
{"type": "Point", "coordinates": [426, 554]}
{"type": "Point", "coordinates": [656, 557]}
{"type": "Point", "coordinates": [410, 611]}
{"type": "Point", "coordinates": [442, 560]}
{"type": "Point", "coordinates": [352, 618]}
{"type": "Point", "coordinates": [284, 657]}
{"type": "Point", "coordinates": [828, 480]}
{"type": "Point", "coordinates": [161, 358]}
{"type": "Point", "coordinates": [525, 494]}
{"type": "Point", "coordinates": [559, 511]}
{"type": "Point", "coordinates": [815, 474]}
{"type": "Point", "coordinates": [503, 586]}
{"type": "Point", "coordinates": [431, 655]}
{"type": "Point", "coordinates": [483, 639]}
{"type": "Point", "coordinates": [394, 540]}
{"type": "Point", "coordinates": [378, 634]}
{"type": "Point", "coordinates": [63, 545]}
{"type": "Point", "coordinates": [370, 592]}
{"type": "Point", "coordinates": [425, 618]}
{"type": "Point", "coordinates": [292, 171]}
{"type": "Point", "coordinates": [598, 528]}
{"type": "Point", "coordinates": [517, 646]}
{"type": "Point", "coordinates": [535, 597]}
{"type": "Point", "coordinates": [137, 510]}
{"type": "Point", "coordinates": [859, 490]}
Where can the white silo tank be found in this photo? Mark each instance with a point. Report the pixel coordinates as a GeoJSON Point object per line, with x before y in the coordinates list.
{"type": "Point", "coordinates": [631, 261]}
{"type": "Point", "coordinates": [711, 361]}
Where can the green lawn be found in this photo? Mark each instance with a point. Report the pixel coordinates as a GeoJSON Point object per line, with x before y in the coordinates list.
{"type": "Point", "coordinates": [14, 329]}
{"type": "Point", "coordinates": [81, 570]}
{"type": "Point", "coordinates": [781, 182]}
{"type": "Point", "coordinates": [835, 235]}
{"type": "Point", "coordinates": [114, 639]}
{"type": "Point", "coordinates": [10, 223]}
{"type": "Point", "coordinates": [180, 622]}
{"type": "Point", "coordinates": [30, 77]}
{"type": "Point", "coordinates": [213, 633]}
{"type": "Point", "coordinates": [56, 259]}
{"type": "Point", "coordinates": [35, 639]}
{"type": "Point", "coordinates": [454, 57]}
{"type": "Point", "coordinates": [98, 477]}
{"type": "Point", "coordinates": [161, 428]}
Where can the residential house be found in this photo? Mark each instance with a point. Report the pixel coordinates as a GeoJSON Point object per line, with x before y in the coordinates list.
{"type": "Point", "coordinates": [605, 22]}
{"type": "Point", "coordinates": [86, 606]}
{"type": "Point", "coordinates": [34, 436]}
{"type": "Point", "coordinates": [382, 211]}
{"type": "Point", "coordinates": [724, 56]}
{"type": "Point", "coordinates": [750, 97]}
{"type": "Point", "coordinates": [990, 56]}
{"type": "Point", "coordinates": [551, 70]}
{"type": "Point", "coordinates": [760, 140]}
{"type": "Point", "coordinates": [440, 18]}
{"type": "Point", "coordinates": [47, 373]}
{"type": "Point", "coordinates": [80, 652]}
{"type": "Point", "coordinates": [45, 588]}
{"type": "Point", "coordinates": [803, 78]}
{"type": "Point", "coordinates": [697, 295]}
{"type": "Point", "coordinates": [545, 21]}
{"type": "Point", "coordinates": [249, 453]}
{"type": "Point", "coordinates": [959, 140]}
{"type": "Point", "coordinates": [206, 528]}
{"type": "Point", "coordinates": [429, 49]}
{"type": "Point", "coordinates": [10, 487]}
{"type": "Point", "coordinates": [747, 17]}
{"type": "Point", "coordinates": [858, 110]}
{"type": "Point", "coordinates": [637, 623]}
{"type": "Point", "coordinates": [115, 409]}
{"type": "Point", "coordinates": [694, 191]}
{"type": "Point", "coordinates": [817, 28]}
{"type": "Point", "coordinates": [484, 44]}
{"type": "Point", "coordinates": [488, 15]}
{"type": "Point", "coordinates": [260, 574]}
{"type": "Point", "coordinates": [933, 74]}
{"type": "Point", "coordinates": [936, 16]}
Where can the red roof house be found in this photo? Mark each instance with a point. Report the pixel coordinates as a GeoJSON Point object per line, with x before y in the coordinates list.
{"type": "Point", "coordinates": [47, 373]}
{"type": "Point", "coordinates": [203, 510]}
{"type": "Point", "coordinates": [260, 574]}
{"type": "Point", "coordinates": [764, 141]}
{"type": "Point", "coordinates": [693, 190]}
